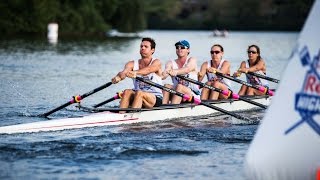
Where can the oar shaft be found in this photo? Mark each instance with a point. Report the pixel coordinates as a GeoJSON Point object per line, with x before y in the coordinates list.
{"type": "Point", "coordinates": [196, 101]}
{"type": "Point", "coordinates": [57, 109]}
{"type": "Point", "coordinates": [225, 111]}
{"type": "Point", "coordinates": [77, 99]}
{"type": "Point", "coordinates": [117, 96]}
{"type": "Point", "coordinates": [234, 96]}
{"type": "Point", "coordinates": [253, 102]}
{"type": "Point", "coordinates": [260, 88]}
{"type": "Point", "coordinates": [224, 92]}
{"type": "Point", "coordinates": [264, 77]}
{"type": "Point", "coordinates": [96, 90]}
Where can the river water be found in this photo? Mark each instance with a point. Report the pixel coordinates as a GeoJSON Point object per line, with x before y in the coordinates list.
{"type": "Point", "coordinates": [37, 76]}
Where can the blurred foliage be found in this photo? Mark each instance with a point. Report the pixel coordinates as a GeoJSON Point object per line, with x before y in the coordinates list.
{"type": "Point", "coordinates": [96, 17]}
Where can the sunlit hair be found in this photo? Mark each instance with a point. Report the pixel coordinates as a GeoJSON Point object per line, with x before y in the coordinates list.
{"type": "Point", "coordinates": [258, 51]}
{"type": "Point", "coordinates": [152, 42]}
{"type": "Point", "coordinates": [221, 48]}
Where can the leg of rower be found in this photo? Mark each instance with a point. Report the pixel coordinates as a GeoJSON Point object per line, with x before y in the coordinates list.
{"type": "Point", "coordinates": [216, 95]}
{"type": "Point", "coordinates": [205, 92]}
{"type": "Point", "coordinates": [257, 92]}
{"type": "Point", "coordinates": [126, 97]}
{"type": "Point", "coordinates": [166, 94]}
{"type": "Point", "coordinates": [242, 90]}
{"type": "Point", "coordinates": [182, 89]}
{"type": "Point", "coordinates": [144, 99]}
{"type": "Point", "coordinates": [250, 91]}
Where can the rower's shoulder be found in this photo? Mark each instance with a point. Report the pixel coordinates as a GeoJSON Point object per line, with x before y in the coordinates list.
{"type": "Point", "coordinates": [226, 61]}
{"type": "Point", "coordinates": [192, 58]}
{"type": "Point", "coordinates": [205, 62]}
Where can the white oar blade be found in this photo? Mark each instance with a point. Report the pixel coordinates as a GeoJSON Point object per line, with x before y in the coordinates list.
{"type": "Point", "coordinates": [287, 143]}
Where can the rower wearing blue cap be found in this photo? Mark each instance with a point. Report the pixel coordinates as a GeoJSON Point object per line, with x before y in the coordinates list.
{"type": "Point", "coordinates": [182, 65]}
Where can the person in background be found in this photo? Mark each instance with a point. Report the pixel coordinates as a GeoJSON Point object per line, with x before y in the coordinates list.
{"type": "Point", "coordinates": [217, 63]}
{"type": "Point", "coordinates": [183, 65]}
{"type": "Point", "coordinates": [142, 95]}
{"type": "Point", "coordinates": [254, 64]}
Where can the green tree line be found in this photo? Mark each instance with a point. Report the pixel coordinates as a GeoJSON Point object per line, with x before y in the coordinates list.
{"type": "Point", "coordinates": [96, 17]}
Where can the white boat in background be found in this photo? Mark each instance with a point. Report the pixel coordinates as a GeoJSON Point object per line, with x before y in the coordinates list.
{"type": "Point", "coordinates": [143, 115]}
{"type": "Point", "coordinates": [287, 143]}
{"type": "Point", "coordinates": [222, 33]}
{"type": "Point", "coordinates": [117, 34]}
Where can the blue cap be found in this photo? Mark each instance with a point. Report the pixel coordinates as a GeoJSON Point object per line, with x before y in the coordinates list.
{"type": "Point", "coordinates": [183, 43]}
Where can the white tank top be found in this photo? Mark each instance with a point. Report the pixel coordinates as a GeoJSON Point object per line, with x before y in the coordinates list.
{"type": "Point", "coordinates": [192, 75]}
{"type": "Point", "coordinates": [211, 76]}
{"type": "Point", "coordinates": [255, 80]}
{"type": "Point", "coordinates": [138, 85]}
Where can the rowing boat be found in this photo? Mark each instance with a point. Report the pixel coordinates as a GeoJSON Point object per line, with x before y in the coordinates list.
{"type": "Point", "coordinates": [109, 117]}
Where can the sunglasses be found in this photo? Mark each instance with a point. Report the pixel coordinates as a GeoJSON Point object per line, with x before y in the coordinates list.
{"type": "Point", "coordinates": [215, 52]}
{"type": "Point", "coordinates": [181, 47]}
{"type": "Point", "coordinates": [253, 52]}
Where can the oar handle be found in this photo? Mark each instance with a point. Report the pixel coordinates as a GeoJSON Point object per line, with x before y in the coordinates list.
{"type": "Point", "coordinates": [77, 99]}
{"type": "Point", "coordinates": [264, 77]}
{"type": "Point", "coordinates": [195, 100]}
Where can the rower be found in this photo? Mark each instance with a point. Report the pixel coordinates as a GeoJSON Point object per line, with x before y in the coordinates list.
{"type": "Point", "coordinates": [183, 65]}
{"type": "Point", "coordinates": [142, 95]}
{"type": "Point", "coordinates": [254, 64]}
{"type": "Point", "coordinates": [209, 68]}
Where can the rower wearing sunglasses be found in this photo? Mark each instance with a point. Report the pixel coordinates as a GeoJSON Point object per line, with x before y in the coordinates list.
{"type": "Point", "coordinates": [216, 64]}
{"type": "Point", "coordinates": [254, 64]}
{"type": "Point", "coordinates": [183, 65]}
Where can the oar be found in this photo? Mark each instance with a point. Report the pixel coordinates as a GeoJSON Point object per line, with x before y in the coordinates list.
{"type": "Point", "coordinates": [195, 100]}
{"type": "Point", "coordinates": [77, 99]}
{"type": "Point", "coordinates": [117, 96]}
{"type": "Point", "coordinates": [264, 77]}
{"type": "Point", "coordinates": [224, 92]}
{"type": "Point", "coordinates": [260, 88]}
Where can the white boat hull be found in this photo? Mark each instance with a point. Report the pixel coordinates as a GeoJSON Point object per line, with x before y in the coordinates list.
{"type": "Point", "coordinates": [110, 118]}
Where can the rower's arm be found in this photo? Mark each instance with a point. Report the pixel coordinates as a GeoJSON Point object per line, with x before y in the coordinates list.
{"type": "Point", "coordinates": [257, 67]}
{"type": "Point", "coordinates": [225, 68]}
{"type": "Point", "coordinates": [202, 72]}
{"type": "Point", "coordinates": [154, 67]}
{"type": "Point", "coordinates": [168, 67]}
{"type": "Point", "coordinates": [122, 74]}
{"type": "Point", "coordinates": [190, 66]}
{"type": "Point", "coordinates": [128, 67]}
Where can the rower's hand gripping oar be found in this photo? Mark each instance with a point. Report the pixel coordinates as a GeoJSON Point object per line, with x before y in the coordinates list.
{"type": "Point", "coordinates": [193, 99]}
{"type": "Point", "coordinates": [77, 99]}
{"type": "Point", "coordinates": [224, 92]}
{"type": "Point", "coordinates": [264, 77]}
{"type": "Point", "coordinates": [260, 88]}
{"type": "Point", "coordinates": [117, 96]}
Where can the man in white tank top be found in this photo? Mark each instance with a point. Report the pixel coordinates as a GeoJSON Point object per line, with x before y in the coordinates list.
{"type": "Point", "coordinates": [217, 63]}
{"type": "Point", "coordinates": [183, 65]}
{"type": "Point", "coordinates": [142, 95]}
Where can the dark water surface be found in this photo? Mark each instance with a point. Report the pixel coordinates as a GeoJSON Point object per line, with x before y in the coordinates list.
{"type": "Point", "coordinates": [37, 76]}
